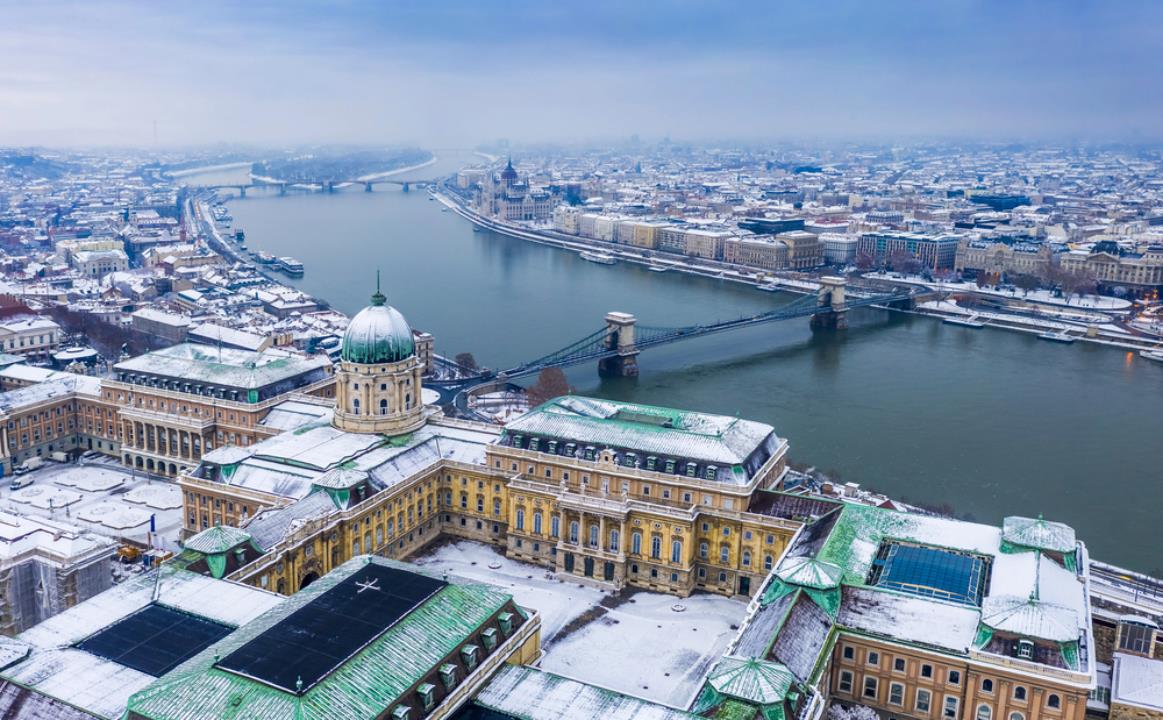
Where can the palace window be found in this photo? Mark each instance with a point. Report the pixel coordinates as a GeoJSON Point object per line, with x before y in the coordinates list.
{"type": "Point", "coordinates": [636, 543]}
{"type": "Point", "coordinates": [896, 694]}
{"type": "Point", "coordinates": [950, 710]}
{"type": "Point", "coordinates": [554, 526]}
{"type": "Point", "coordinates": [870, 687]}
{"type": "Point", "coordinates": [954, 677]}
{"type": "Point", "coordinates": [768, 562]}
{"type": "Point", "coordinates": [725, 554]}
{"type": "Point", "coordinates": [746, 558]}
{"type": "Point", "coordinates": [537, 523]}
{"type": "Point", "coordinates": [676, 551]}
{"type": "Point", "coordinates": [594, 535]}
{"type": "Point", "coordinates": [573, 531]}
{"type": "Point", "coordinates": [898, 665]}
{"type": "Point", "coordinates": [703, 550]}
{"type": "Point", "coordinates": [845, 685]}
{"type": "Point", "coordinates": [984, 712]}
{"type": "Point", "coordinates": [1053, 701]}
{"type": "Point", "coordinates": [924, 699]}
{"type": "Point", "coordinates": [520, 519]}
{"type": "Point", "coordinates": [987, 685]}
{"type": "Point", "coordinates": [656, 547]}
{"type": "Point", "coordinates": [873, 658]}
{"type": "Point", "coordinates": [1019, 692]}
{"type": "Point", "coordinates": [615, 539]}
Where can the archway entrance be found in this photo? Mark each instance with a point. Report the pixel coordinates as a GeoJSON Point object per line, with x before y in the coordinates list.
{"type": "Point", "coordinates": [308, 579]}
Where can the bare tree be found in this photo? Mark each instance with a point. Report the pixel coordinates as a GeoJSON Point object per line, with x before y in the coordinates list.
{"type": "Point", "coordinates": [864, 261]}
{"type": "Point", "coordinates": [551, 382]}
{"type": "Point", "coordinates": [466, 361]}
{"type": "Point", "coordinates": [1026, 283]}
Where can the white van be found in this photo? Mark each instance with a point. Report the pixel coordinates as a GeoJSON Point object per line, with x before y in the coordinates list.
{"type": "Point", "coordinates": [19, 482]}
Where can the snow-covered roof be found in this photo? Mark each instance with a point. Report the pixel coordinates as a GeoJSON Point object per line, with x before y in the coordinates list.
{"type": "Point", "coordinates": [1038, 534]}
{"type": "Point", "coordinates": [531, 694]}
{"type": "Point", "coordinates": [1030, 618]}
{"type": "Point", "coordinates": [810, 572]}
{"type": "Point", "coordinates": [101, 686]}
{"type": "Point", "coordinates": [716, 439]}
{"type": "Point", "coordinates": [1137, 681]}
{"type": "Point", "coordinates": [751, 680]}
{"type": "Point", "coordinates": [912, 619]}
{"type": "Point", "coordinates": [223, 366]}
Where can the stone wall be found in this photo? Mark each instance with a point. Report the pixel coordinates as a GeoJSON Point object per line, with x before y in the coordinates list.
{"type": "Point", "coordinates": [1130, 712]}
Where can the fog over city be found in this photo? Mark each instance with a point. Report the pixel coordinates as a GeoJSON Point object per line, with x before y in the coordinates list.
{"type": "Point", "coordinates": [465, 72]}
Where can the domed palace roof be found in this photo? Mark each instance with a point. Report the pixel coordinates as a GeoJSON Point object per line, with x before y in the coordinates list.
{"type": "Point", "coordinates": [378, 334]}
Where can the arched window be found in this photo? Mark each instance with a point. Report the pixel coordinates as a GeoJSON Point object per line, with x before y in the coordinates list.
{"type": "Point", "coordinates": [593, 535]}
{"type": "Point", "coordinates": [407, 401]}
{"type": "Point", "coordinates": [768, 562]}
{"type": "Point", "coordinates": [656, 547]}
{"type": "Point", "coordinates": [746, 558]}
{"type": "Point", "coordinates": [537, 523]}
{"type": "Point", "coordinates": [1017, 716]}
{"type": "Point", "coordinates": [555, 526]}
{"type": "Point", "coordinates": [986, 685]}
{"type": "Point", "coordinates": [984, 712]}
{"type": "Point", "coordinates": [520, 518]}
{"type": "Point", "coordinates": [573, 530]}
{"type": "Point", "coordinates": [355, 406]}
{"type": "Point", "coordinates": [1019, 693]}
{"type": "Point", "coordinates": [615, 539]}
{"type": "Point", "coordinates": [1053, 701]}
{"type": "Point", "coordinates": [704, 550]}
{"type": "Point", "coordinates": [725, 554]}
{"type": "Point", "coordinates": [636, 543]}
{"type": "Point", "coordinates": [676, 551]}
{"type": "Point", "coordinates": [383, 407]}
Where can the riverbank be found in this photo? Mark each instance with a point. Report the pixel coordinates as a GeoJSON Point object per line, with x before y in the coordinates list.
{"type": "Point", "coordinates": [387, 174]}
{"type": "Point", "coordinates": [1099, 333]}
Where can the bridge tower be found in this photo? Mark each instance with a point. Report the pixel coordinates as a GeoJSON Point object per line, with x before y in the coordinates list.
{"type": "Point", "coordinates": [621, 337]}
{"type": "Point", "coordinates": [406, 188]}
{"type": "Point", "coordinates": [241, 191]}
{"type": "Point", "coordinates": [282, 188]}
{"type": "Point", "coordinates": [831, 311]}
{"type": "Point", "coordinates": [367, 187]}
{"type": "Point", "coordinates": [329, 186]}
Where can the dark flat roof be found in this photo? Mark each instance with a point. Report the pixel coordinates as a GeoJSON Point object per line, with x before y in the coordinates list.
{"type": "Point", "coordinates": [155, 639]}
{"type": "Point", "coordinates": [307, 645]}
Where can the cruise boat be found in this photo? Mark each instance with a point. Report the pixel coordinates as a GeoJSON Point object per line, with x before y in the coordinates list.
{"type": "Point", "coordinates": [596, 257]}
{"type": "Point", "coordinates": [290, 266]}
{"type": "Point", "coordinates": [768, 287]}
{"type": "Point", "coordinates": [970, 322]}
{"type": "Point", "coordinates": [1156, 355]}
{"type": "Point", "coordinates": [1060, 336]}
{"type": "Point", "coordinates": [264, 257]}
{"type": "Point", "coordinates": [657, 268]}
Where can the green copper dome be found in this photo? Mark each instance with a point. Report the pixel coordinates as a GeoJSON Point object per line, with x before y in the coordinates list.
{"type": "Point", "coordinates": [378, 334]}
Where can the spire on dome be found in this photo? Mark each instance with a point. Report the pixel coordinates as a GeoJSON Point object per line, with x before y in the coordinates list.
{"type": "Point", "coordinates": [378, 298]}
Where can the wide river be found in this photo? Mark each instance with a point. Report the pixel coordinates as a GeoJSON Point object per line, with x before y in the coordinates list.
{"type": "Point", "coordinates": [989, 422]}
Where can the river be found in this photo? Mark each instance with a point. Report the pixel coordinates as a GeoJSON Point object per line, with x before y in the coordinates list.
{"type": "Point", "coordinates": [987, 421]}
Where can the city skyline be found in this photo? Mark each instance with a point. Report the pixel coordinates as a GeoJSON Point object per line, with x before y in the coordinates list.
{"type": "Point", "coordinates": [466, 74]}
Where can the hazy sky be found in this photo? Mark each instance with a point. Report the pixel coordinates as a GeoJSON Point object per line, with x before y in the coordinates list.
{"type": "Point", "coordinates": [442, 73]}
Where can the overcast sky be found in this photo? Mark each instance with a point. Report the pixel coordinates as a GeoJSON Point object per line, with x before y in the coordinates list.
{"type": "Point", "coordinates": [440, 73]}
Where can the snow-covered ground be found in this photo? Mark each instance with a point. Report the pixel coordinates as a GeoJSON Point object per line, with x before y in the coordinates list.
{"type": "Point", "coordinates": [1095, 302]}
{"type": "Point", "coordinates": [661, 654]}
